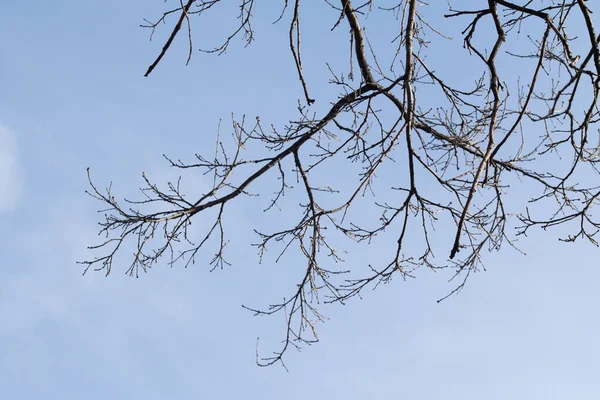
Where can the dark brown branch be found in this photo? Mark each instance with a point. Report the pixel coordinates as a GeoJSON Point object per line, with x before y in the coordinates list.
{"type": "Point", "coordinates": [182, 17]}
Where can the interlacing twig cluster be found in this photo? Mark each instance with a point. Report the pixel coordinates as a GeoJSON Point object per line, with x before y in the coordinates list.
{"type": "Point", "coordinates": [528, 120]}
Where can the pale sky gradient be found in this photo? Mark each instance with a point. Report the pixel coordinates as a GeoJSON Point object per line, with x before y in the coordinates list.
{"type": "Point", "coordinates": [72, 96]}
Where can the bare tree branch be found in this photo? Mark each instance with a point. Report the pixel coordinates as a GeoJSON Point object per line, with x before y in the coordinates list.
{"type": "Point", "coordinates": [434, 160]}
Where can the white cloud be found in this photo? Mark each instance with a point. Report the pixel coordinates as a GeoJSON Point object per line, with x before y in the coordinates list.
{"type": "Point", "coordinates": [10, 176]}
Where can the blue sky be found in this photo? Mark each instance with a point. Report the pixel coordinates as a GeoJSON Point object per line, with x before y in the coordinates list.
{"type": "Point", "coordinates": [72, 96]}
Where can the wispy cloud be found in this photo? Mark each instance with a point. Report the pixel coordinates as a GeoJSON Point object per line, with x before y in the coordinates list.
{"type": "Point", "coordinates": [10, 175]}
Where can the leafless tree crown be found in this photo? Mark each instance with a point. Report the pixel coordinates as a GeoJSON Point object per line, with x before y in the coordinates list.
{"type": "Point", "coordinates": [458, 145]}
